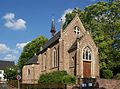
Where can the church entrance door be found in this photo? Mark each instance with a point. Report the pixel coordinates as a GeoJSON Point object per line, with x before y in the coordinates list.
{"type": "Point", "coordinates": [86, 69]}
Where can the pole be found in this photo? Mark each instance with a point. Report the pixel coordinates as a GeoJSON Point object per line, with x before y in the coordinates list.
{"type": "Point", "coordinates": [18, 84]}
{"type": "Point", "coordinates": [18, 77]}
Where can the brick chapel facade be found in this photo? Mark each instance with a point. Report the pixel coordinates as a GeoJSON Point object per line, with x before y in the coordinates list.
{"type": "Point", "coordinates": [71, 49]}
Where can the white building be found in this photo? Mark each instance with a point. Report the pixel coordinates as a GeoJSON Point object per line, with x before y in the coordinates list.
{"type": "Point", "coordinates": [3, 66]}
{"type": "Point", "coordinates": [1, 75]}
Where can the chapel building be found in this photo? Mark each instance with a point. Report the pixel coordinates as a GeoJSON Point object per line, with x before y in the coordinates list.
{"type": "Point", "coordinates": [71, 49]}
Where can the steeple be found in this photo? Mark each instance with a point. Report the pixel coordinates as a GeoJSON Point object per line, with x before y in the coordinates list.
{"type": "Point", "coordinates": [53, 30]}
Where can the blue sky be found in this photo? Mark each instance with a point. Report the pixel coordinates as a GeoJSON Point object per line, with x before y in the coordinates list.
{"type": "Point", "coordinates": [23, 20]}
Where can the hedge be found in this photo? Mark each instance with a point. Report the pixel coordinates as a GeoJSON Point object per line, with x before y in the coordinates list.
{"type": "Point", "coordinates": [56, 77]}
{"type": "Point", "coordinates": [107, 74]}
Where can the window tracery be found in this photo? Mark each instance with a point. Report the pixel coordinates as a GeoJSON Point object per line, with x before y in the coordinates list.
{"type": "Point", "coordinates": [87, 53]}
{"type": "Point", "coordinates": [77, 30]}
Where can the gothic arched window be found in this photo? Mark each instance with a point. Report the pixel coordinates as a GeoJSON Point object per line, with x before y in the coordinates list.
{"type": "Point", "coordinates": [28, 72]}
{"type": "Point", "coordinates": [44, 61]}
{"type": "Point", "coordinates": [55, 57]}
{"type": "Point", "coordinates": [87, 53]}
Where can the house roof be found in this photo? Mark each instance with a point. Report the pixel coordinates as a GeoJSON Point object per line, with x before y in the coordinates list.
{"type": "Point", "coordinates": [5, 64]}
{"type": "Point", "coordinates": [32, 60]}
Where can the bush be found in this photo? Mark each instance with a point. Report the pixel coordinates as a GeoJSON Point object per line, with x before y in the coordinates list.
{"type": "Point", "coordinates": [117, 76]}
{"type": "Point", "coordinates": [106, 74]}
{"type": "Point", "coordinates": [56, 77]}
{"type": "Point", "coordinates": [68, 79]}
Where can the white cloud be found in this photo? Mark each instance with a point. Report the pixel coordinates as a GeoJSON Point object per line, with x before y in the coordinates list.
{"type": "Point", "coordinates": [11, 23]}
{"type": "Point", "coordinates": [10, 57]}
{"type": "Point", "coordinates": [65, 12]}
{"type": "Point", "coordinates": [21, 45]}
{"type": "Point", "coordinates": [9, 16]}
{"type": "Point", "coordinates": [14, 51]}
{"type": "Point", "coordinates": [11, 54]}
{"type": "Point", "coordinates": [4, 48]}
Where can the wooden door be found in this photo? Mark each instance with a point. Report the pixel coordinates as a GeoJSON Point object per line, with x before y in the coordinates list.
{"type": "Point", "coordinates": [86, 69]}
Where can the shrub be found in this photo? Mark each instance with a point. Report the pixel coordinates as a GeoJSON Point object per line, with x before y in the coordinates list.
{"type": "Point", "coordinates": [68, 79]}
{"type": "Point", "coordinates": [117, 76]}
{"type": "Point", "coordinates": [106, 74]}
{"type": "Point", "coordinates": [56, 77]}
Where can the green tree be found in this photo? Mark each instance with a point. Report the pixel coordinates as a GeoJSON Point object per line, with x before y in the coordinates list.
{"type": "Point", "coordinates": [10, 73]}
{"type": "Point", "coordinates": [102, 20]}
{"type": "Point", "coordinates": [30, 49]}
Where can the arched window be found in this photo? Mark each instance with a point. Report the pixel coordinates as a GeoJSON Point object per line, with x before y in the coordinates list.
{"type": "Point", "coordinates": [28, 72]}
{"type": "Point", "coordinates": [55, 57]}
{"type": "Point", "coordinates": [87, 53]}
{"type": "Point", "coordinates": [44, 61]}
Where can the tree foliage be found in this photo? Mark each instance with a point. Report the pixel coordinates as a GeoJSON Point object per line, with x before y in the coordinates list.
{"type": "Point", "coordinates": [10, 73]}
{"type": "Point", "coordinates": [30, 49]}
{"type": "Point", "coordinates": [102, 20]}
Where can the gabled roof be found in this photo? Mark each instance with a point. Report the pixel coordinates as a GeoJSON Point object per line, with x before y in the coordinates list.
{"type": "Point", "coordinates": [32, 60]}
{"type": "Point", "coordinates": [5, 64]}
{"type": "Point", "coordinates": [57, 36]}
{"type": "Point", "coordinates": [50, 42]}
{"type": "Point", "coordinates": [53, 39]}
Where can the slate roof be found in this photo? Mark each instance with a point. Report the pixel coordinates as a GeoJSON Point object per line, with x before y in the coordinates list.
{"type": "Point", "coordinates": [50, 42]}
{"type": "Point", "coordinates": [5, 64]}
{"type": "Point", "coordinates": [32, 60]}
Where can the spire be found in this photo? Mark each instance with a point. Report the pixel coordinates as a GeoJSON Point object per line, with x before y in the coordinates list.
{"type": "Point", "coordinates": [53, 30]}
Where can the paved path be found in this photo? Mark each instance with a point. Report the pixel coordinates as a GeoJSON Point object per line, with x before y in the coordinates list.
{"type": "Point", "coordinates": [6, 86]}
